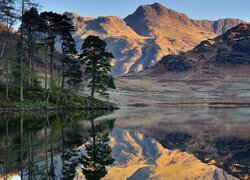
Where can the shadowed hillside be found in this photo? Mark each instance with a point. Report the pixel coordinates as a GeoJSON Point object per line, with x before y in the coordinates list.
{"type": "Point", "coordinates": [213, 56]}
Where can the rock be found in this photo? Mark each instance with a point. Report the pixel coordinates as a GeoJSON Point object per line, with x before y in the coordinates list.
{"type": "Point", "coordinates": [176, 63]}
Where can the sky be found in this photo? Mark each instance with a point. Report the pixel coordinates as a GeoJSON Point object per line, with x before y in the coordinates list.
{"type": "Point", "coordinates": [195, 9]}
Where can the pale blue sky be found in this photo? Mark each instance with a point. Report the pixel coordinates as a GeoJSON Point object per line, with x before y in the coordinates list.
{"type": "Point", "coordinates": [195, 9]}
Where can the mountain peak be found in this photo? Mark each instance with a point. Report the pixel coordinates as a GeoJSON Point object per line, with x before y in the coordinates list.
{"type": "Point", "coordinates": [156, 4]}
{"type": "Point", "coordinates": [148, 19]}
{"type": "Point", "coordinates": [157, 9]}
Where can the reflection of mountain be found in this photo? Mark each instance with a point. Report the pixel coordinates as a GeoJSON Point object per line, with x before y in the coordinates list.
{"type": "Point", "coordinates": [135, 155]}
{"type": "Point", "coordinates": [140, 157]}
{"type": "Point", "coordinates": [215, 136]}
{"type": "Point", "coordinates": [230, 153]}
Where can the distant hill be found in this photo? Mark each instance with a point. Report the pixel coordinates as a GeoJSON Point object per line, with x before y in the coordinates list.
{"type": "Point", "coordinates": [218, 27]}
{"type": "Point", "coordinates": [228, 50]}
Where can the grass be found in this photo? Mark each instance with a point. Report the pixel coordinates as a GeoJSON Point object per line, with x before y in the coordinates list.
{"type": "Point", "coordinates": [35, 99]}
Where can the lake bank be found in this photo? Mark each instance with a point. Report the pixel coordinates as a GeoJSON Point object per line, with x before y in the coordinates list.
{"type": "Point", "coordinates": [139, 91]}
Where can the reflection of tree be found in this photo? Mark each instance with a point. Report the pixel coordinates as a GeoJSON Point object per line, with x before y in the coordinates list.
{"type": "Point", "coordinates": [51, 174]}
{"type": "Point", "coordinates": [71, 139]}
{"type": "Point", "coordinates": [98, 151]}
{"type": "Point", "coordinates": [28, 138]}
{"type": "Point", "coordinates": [74, 138]}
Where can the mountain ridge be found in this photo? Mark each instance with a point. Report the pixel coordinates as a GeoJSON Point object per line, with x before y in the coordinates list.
{"type": "Point", "coordinates": [139, 42]}
{"type": "Point", "coordinates": [207, 59]}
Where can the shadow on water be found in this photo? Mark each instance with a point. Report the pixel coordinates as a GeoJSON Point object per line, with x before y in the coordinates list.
{"type": "Point", "coordinates": [46, 145]}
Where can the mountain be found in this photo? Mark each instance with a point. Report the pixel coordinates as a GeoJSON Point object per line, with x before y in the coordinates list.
{"type": "Point", "coordinates": [144, 37]}
{"type": "Point", "coordinates": [122, 41]}
{"type": "Point", "coordinates": [210, 56]}
{"type": "Point", "coordinates": [218, 27]}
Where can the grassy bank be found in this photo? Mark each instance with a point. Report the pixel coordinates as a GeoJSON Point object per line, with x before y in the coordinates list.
{"type": "Point", "coordinates": [36, 100]}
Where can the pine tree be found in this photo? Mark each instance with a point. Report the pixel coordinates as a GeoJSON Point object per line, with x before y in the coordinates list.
{"type": "Point", "coordinates": [8, 17]}
{"type": "Point", "coordinates": [31, 25]}
{"type": "Point", "coordinates": [97, 62]}
{"type": "Point", "coordinates": [8, 14]}
{"type": "Point", "coordinates": [68, 50]}
{"type": "Point", "coordinates": [73, 73]}
{"type": "Point", "coordinates": [24, 3]}
{"type": "Point", "coordinates": [52, 20]}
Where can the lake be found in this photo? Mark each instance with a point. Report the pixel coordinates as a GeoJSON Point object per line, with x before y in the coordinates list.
{"type": "Point", "coordinates": [130, 143]}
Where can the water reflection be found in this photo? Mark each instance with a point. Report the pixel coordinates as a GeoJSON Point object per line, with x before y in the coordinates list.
{"type": "Point", "coordinates": [76, 144]}
{"type": "Point", "coordinates": [44, 145]}
{"type": "Point", "coordinates": [98, 154]}
{"type": "Point", "coordinates": [215, 136]}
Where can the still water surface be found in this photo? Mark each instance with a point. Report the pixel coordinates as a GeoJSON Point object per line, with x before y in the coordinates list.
{"type": "Point", "coordinates": [96, 145]}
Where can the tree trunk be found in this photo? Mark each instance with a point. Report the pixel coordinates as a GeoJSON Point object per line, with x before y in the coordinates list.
{"type": "Point", "coordinates": [63, 77]}
{"type": "Point", "coordinates": [32, 72]}
{"type": "Point", "coordinates": [63, 67]}
{"type": "Point", "coordinates": [93, 87]}
{"type": "Point", "coordinates": [30, 75]}
{"type": "Point", "coordinates": [7, 80]}
{"type": "Point", "coordinates": [46, 68]}
{"type": "Point", "coordinates": [93, 80]}
{"type": "Point", "coordinates": [32, 60]}
{"type": "Point", "coordinates": [51, 70]}
{"type": "Point", "coordinates": [2, 51]}
{"type": "Point", "coordinates": [22, 73]}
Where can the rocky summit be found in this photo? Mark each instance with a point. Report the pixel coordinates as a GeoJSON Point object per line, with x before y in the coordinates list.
{"type": "Point", "coordinates": [141, 39]}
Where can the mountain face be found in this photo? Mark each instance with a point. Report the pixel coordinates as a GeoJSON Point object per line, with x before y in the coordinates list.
{"type": "Point", "coordinates": [144, 37]}
{"type": "Point", "coordinates": [228, 50]}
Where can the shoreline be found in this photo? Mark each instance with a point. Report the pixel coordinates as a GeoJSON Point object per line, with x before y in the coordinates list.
{"type": "Point", "coordinates": [193, 104]}
{"type": "Point", "coordinates": [17, 110]}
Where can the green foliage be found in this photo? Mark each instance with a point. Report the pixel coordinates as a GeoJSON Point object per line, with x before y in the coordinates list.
{"type": "Point", "coordinates": [110, 82]}
{"type": "Point", "coordinates": [51, 28]}
{"type": "Point", "coordinates": [97, 62]}
{"type": "Point", "coordinates": [73, 74]}
{"type": "Point", "coordinates": [39, 34]}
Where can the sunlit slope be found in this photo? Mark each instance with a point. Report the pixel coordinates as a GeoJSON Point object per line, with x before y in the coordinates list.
{"type": "Point", "coordinates": [143, 38]}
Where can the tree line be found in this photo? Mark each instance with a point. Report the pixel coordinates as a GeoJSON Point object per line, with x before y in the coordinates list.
{"type": "Point", "coordinates": [33, 50]}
